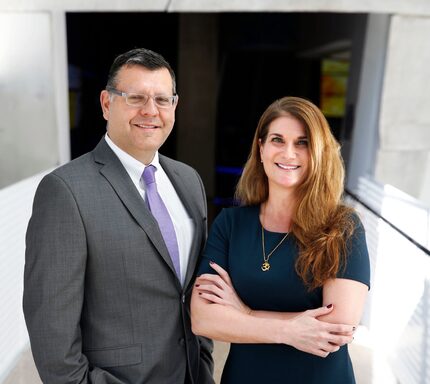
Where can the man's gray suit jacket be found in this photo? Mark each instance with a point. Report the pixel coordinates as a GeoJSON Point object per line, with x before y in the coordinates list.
{"type": "Point", "coordinates": [102, 302]}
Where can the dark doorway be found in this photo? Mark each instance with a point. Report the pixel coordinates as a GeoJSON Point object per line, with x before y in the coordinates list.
{"type": "Point", "coordinates": [261, 57]}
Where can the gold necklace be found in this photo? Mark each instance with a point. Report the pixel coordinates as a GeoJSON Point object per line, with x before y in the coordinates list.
{"type": "Point", "coordinates": [266, 266]}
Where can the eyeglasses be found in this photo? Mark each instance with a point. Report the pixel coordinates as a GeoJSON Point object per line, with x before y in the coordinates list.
{"type": "Point", "coordinates": [138, 100]}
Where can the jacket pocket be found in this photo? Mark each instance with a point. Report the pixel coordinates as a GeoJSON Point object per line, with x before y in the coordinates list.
{"type": "Point", "coordinates": [115, 357]}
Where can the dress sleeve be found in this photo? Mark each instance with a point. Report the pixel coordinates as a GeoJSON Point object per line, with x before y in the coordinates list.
{"type": "Point", "coordinates": [217, 245]}
{"type": "Point", "coordinates": [357, 260]}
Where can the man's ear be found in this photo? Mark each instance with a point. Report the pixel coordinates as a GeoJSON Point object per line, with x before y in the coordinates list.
{"type": "Point", "coordinates": [177, 101]}
{"type": "Point", "coordinates": [105, 103]}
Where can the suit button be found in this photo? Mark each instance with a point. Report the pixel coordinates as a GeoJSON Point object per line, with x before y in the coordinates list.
{"type": "Point", "coordinates": [181, 341]}
{"type": "Point", "coordinates": [183, 299]}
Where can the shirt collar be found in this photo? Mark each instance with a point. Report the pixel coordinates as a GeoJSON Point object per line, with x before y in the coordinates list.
{"type": "Point", "coordinates": [133, 166]}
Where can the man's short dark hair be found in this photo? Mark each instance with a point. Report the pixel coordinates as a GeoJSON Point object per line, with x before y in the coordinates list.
{"type": "Point", "coordinates": [143, 57]}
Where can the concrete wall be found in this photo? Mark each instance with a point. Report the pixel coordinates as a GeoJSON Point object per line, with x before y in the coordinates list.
{"type": "Point", "coordinates": [403, 158]}
{"type": "Point", "coordinates": [410, 7]}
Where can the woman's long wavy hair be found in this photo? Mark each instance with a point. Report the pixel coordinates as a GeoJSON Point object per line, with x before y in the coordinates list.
{"type": "Point", "coordinates": [321, 223]}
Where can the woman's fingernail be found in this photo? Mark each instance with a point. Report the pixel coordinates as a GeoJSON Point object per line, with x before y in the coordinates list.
{"type": "Point", "coordinates": [197, 285]}
{"type": "Point", "coordinates": [330, 305]}
{"type": "Point", "coordinates": [211, 262]}
{"type": "Point", "coordinates": [200, 293]}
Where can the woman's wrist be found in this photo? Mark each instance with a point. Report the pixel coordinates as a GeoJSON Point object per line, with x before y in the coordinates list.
{"type": "Point", "coordinates": [281, 330]}
{"type": "Point", "coordinates": [247, 310]}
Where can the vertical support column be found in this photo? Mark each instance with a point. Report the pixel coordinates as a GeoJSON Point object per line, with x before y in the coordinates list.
{"type": "Point", "coordinates": [358, 34]}
{"type": "Point", "coordinates": [61, 87]}
{"type": "Point", "coordinates": [197, 90]}
{"type": "Point", "coordinates": [365, 136]}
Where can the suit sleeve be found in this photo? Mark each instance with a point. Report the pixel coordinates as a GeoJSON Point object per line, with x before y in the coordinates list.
{"type": "Point", "coordinates": [54, 284]}
{"type": "Point", "coordinates": [206, 366]}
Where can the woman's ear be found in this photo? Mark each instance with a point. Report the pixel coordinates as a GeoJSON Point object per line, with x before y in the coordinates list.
{"type": "Point", "coordinates": [260, 145]}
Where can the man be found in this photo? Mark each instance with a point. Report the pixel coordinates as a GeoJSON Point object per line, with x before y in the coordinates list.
{"type": "Point", "coordinates": [106, 289]}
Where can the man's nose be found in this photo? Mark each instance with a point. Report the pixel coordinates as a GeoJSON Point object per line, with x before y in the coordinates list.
{"type": "Point", "coordinates": [150, 108]}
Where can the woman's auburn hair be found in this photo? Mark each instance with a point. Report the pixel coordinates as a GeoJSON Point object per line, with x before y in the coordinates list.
{"type": "Point", "coordinates": [321, 223]}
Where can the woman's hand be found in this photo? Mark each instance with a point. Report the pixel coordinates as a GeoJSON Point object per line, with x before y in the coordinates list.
{"type": "Point", "coordinates": [308, 334]}
{"type": "Point", "coordinates": [219, 289]}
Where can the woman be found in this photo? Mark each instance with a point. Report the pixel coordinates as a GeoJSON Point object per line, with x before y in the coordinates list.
{"type": "Point", "coordinates": [295, 255]}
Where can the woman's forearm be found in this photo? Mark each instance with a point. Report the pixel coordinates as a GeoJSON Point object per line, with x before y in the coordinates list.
{"type": "Point", "coordinates": [302, 331]}
{"type": "Point", "coordinates": [228, 324]}
{"type": "Point", "coordinates": [274, 315]}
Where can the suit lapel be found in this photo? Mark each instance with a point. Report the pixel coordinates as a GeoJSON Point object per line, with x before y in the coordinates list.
{"type": "Point", "coordinates": [190, 204]}
{"type": "Point", "coordinates": [118, 178]}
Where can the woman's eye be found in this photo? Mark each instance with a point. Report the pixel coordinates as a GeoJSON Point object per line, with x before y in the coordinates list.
{"type": "Point", "coordinates": [302, 142]}
{"type": "Point", "coordinates": [276, 140]}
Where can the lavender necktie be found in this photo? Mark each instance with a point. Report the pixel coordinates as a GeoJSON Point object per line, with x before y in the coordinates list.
{"type": "Point", "coordinates": [159, 211]}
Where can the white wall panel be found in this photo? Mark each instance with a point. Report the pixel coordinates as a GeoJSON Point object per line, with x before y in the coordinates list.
{"type": "Point", "coordinates": [15, 210]}
{"type": "Point", "coordinates": [28, 130]}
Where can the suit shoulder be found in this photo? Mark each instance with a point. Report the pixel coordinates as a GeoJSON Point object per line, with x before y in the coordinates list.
{"type": "Point", "coordinates": [75, 171]}
{"type": "Point", "coordinates": [75, 164]}
{"type": "Point", "coordinates": [176, 165]}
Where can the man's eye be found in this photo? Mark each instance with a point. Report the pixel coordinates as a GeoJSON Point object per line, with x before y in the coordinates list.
{"type": "Point", "coordinates": [163, 100]}
{"type": "Point", "coordinates": [136, 99]}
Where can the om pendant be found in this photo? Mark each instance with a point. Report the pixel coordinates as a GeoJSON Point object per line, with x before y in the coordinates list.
{"type": "Point", "coordinates": [265, 266]}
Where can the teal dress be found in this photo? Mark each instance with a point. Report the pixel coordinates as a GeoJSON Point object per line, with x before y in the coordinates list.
{"type": "Point", "coordinates": [235, 243]}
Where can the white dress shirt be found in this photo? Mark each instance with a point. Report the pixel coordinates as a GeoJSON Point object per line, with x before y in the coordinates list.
{"type": "Point", "coordinates": [182, 222]}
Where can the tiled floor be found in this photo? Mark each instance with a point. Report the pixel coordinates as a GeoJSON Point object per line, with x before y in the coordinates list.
{"type": "Point", "coordinates": [25, 371]}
